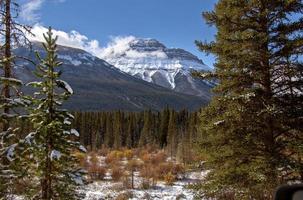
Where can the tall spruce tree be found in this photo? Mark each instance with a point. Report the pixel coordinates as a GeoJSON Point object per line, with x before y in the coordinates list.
{"type": "Point", "coordinates": [163, 127]}
{"type": "Point", "coordinates": [8, 136]}
{"type": "Point", "coordinates": [146, 137]}
{"type": "Point", "coordinates": [172, 134]}
{"type": "Point", "coordinates": [117, 130]}
{"type": "Point", "coordinates": [53, 142]}
{"type": "Point", "coordinates": [13, 34]}
{"type": "Point", "coordinates": [109, 136]}
{"type": "Point", "coordinates": [252, 130]}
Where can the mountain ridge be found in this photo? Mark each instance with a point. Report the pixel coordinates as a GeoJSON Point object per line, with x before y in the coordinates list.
{"type": "Point", "coordinates": [101, 86]}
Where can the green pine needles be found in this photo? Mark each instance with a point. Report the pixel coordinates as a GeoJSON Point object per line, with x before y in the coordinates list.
{"type": "Point", "coordinates": [50, 148]}
{"type": "Point", "coordinates": [8, 136]}
{"type": "Point", "coordinates": [251, 133]}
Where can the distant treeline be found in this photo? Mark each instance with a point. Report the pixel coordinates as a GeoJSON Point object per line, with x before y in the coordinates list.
{"type": "Point", "coordinates": [166, 129]}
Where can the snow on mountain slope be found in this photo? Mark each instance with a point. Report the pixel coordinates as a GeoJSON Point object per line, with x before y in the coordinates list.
{"type": "Point", "coordinates": [153, 62]}
{"type": "Point", "coordinates": [100, 86]}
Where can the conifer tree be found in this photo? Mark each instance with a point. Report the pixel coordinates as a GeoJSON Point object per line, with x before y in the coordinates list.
{"type": "Point", "coordinates": [147, 133]}
{"type": "Point", "coordinates": [250, 130]}
{"type": "Point", "coordinates": [117, 130]}
{"type": "Point", "coordinates": [172, 134]}
{"type": "Point", "coordinates": [8, 138]}
{"type": "Point", "coordinates": [109, 136]}
{"type": "Point", "coordinates": [53, 142]}
{"type": "Point", "coordinates": [130, 132]}
{"type": "Point", "coordinates": [164, 127]}
{"type": "Point", "coordinates": [13, 34]}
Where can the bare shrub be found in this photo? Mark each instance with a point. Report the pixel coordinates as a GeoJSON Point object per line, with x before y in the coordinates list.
{"type": "Point", "coordinates": [117, 173]}
{"type": "Point", "coordinates": [132, 166]}
{"type": "Point", "coordinates": [96, 172]}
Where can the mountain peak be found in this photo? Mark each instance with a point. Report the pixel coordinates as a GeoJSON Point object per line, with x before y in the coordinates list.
{"type": "Point", "coordinates": [152, 61]}
{"type": "Point", "coordinates": [146, 44]}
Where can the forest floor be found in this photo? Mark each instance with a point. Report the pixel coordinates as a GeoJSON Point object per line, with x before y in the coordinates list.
{"type": "Point", "coordinates": [108, 189]}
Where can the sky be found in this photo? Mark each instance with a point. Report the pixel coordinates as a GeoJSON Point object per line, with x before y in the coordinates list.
{"type": "Point", "coordinates": [95, 24]}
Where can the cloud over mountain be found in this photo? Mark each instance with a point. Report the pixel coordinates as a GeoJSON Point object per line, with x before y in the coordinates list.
{"type": "Point", "coordinates": [118, 46]}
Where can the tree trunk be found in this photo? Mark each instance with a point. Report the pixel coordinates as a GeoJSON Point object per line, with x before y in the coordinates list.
{"type": "Point", "coordinates": [7, 56]}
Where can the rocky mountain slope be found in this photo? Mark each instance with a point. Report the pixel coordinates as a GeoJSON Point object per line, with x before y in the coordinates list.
{"type": "Point", "coordinates": [100, 86]}
{"type": "Point", "coordinates": [153, 62]}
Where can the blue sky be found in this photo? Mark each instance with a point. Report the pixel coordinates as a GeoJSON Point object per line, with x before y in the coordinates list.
{"type": "Point", "coordinates": [176, 23]}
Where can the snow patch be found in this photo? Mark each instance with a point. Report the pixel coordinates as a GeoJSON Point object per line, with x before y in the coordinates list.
{"type": "Point", "coordinates": [70, 59]}
{"type": "Point", "coordinates": [75, 132]}
{"type": "Point", "coordinates": [55, 155]}
{"type": "Point", "coordinates": [11, 152]}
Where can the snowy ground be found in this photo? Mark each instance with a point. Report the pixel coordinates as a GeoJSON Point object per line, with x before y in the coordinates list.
{"type": "Point", "coordinates": [110, 190]}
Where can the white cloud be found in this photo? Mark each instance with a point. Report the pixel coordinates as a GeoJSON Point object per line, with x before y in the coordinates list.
{"type": "Point", "coordinates": [72, 39]}
{"type": "Point", "coordinates": [118, 46]}
{"type": "Point", "coordinates": [29, 10]}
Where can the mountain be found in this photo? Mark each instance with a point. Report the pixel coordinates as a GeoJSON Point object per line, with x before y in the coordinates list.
{"type": "Point", "coordinates": [153, 62]}
{"type": "Point", "coordinates": [100, 86]}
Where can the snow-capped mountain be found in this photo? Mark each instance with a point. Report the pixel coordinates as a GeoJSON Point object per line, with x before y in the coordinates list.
{"type": "Point", "coordinates": [98, 85]}
{"type": "Point", "coordinates": [153, 62]}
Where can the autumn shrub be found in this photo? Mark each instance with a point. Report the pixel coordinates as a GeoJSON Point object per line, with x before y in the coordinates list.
{"type": "Point", "coordinates": [96, 172]}
{"type": "Point", "coordinates": [150, 148]}
{"type": "Point", "coordinates": [150, 172]}
{"type": "Point", "coordinates": [169, 178]}
{"type": "Point", "coordinates": [126, 181]}
{"type": "Point", "coordinates": [118, 154]}
{"type": "Point", "coordinates": [100, 172]}
{"type": "Point", "coordinates": [163, 169]}
{"type": "Point", "coordinates": [178, 170]}
{"type": "Point", "coordinates": [125, 196]}
{"type": "Point", "coordinates": [146, 157]}
{"type": "Point", "coordinates": [112, 158]}
{"type": "Point", "coordinates": [117, 173]}
{"type": "Point", "coordinates": [128, 154]}
{"type": "Point", "coordinates": [159, 157]}
{"type": "Point", "coordinates": [94, 158]}
{"type": "Point", "coordinates": [145, 171]}
{"type": "Point", "coordinates": [141, 152]}
{"type": "Point", "coordinates": [145, 185]}
{"type": "Point", "coordinates": [103, 151]}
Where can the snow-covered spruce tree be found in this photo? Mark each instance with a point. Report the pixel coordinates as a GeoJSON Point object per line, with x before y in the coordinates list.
{"type": "Point", "coordinates": [12, 35]}
{"type": "Point", "coordinates": [52, 144]}
{"type": "Point", "coordinates": [252, 130]}
{"type": "Point", "coordinates": [8, 139]}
